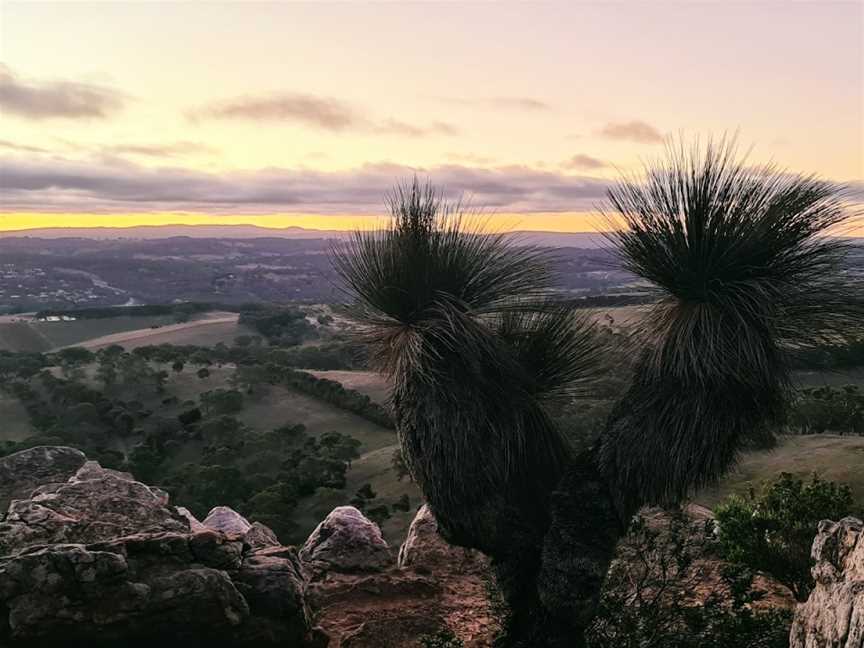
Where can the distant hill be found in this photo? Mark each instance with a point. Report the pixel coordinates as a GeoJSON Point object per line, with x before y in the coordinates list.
{"type": "Point", "coordinates": [169, 231]}
{"type": "Point", "coordinates": [546, 239]}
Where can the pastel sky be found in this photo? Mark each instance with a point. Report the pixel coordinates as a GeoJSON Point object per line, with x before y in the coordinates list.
{"type": "Point", "coordinates": [279, 114]}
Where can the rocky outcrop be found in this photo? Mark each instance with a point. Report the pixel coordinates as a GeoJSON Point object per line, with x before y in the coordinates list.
{"type": "Point", "coordinates": [103, 559]}
{"type": "Point", "coordinates": [92, 505]}
{"type": "Point", "coordinates": [187, 587]}
{"type": "Point", "coordinates": [90, 556]}
{"type": "Point", "coordinates": [833, 615]}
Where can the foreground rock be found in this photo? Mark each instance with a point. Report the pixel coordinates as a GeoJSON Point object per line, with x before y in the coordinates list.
{"type": "Point", "coordinates": [434, 588]}
{"type": "Point", "coordinates": [92, 505]}
{"type": "Point", "coordinates": [90, 556]}
{"type": "Point", "coordinates": [833, 615]}
{"type": "Point", "coordinates": [102, 559]}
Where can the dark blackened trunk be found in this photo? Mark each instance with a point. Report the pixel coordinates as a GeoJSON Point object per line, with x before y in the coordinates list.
{"type": "Point", "coordinates": [551, 581]}
{"type": "Point", "coordinates": [577, 551]}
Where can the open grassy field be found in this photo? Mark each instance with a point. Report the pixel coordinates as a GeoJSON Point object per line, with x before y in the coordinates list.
{"type": "Point", "coordinates": [838, 458]}
{"type": "Point", "coordinates": [80, 332]}
{"type": "Point", "coordinates": [205, 330]}
{"type": "Point", "coordinates": [617, 317]}
{"type": "Point", "coordinates": [369, 383]}
{"type": "Point", "coordinates": [22, 336]}
{"type": "Point", "coordinates": [822, 378]}
{"type": "Point", "coordinates": [128, 331]}
{"type": "Point", "coordinates": [278, 405]}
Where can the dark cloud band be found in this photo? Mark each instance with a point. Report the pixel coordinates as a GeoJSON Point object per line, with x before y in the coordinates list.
{"type": "Point", "coordinates": [57, 185]}
{"type": "Point", "coordinates": [324, 113]}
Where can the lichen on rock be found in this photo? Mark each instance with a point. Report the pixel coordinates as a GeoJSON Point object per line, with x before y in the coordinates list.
{"type": "Point", "coordinates": [833, 615]}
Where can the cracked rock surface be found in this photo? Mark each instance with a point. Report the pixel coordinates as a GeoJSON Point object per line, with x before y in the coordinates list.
{"type": "Point", "coordinates": [833, 615]}
{"type": "Point", "coordinates": [93, 556]}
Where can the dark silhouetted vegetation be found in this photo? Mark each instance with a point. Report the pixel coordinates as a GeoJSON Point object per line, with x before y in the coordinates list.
{"type": "Point", "coordinates": [773, 530]}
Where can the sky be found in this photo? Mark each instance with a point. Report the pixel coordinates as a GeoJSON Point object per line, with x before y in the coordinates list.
{"type": "Point", "coordinates": [306, 114]}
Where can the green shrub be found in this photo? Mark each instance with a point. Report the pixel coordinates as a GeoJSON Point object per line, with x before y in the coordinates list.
{"type": "Point", "coordinates": [441, 639]}
{"type": "Point", "coordinates": [647, 600]}
{"type": "Point", "coordinates": [773, 531]}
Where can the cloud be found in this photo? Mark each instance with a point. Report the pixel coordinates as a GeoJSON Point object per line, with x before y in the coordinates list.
{"type": "Point", "coordinates": [581, 161]}
{"type": "Point", "coordinates": [321, 112]}
{"type": "Point", "coordinates": [325, 113]}
{"type": "Point", "coordinates": [49, 99]}
{"type": "Point", "coordinates": [469, 158]}
{"type": "Point", "coordinates": [397, 127]}
{"type": "Point", "coordinates": [58, 185]}
{"type": "Point", "coordinates": [172, 149]}
{"type": "Point", "coordinates": [21, 148]}
{"type": "Point", "coordinates": [527, 104]}
{"type": "Point", "coordinates": [635, 131]}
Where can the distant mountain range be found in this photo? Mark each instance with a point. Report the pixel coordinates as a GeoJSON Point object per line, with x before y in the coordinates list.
{"type": "Point", "coordinates": [140, 232]}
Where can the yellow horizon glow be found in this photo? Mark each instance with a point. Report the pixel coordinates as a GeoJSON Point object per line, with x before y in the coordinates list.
{"type": "Point", "coordinates": [561, 222]}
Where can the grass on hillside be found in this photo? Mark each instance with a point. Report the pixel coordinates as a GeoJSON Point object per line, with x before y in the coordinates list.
{"type": "Point", "coordinates": [830, 378]}
{"type": "Point", "coordinates": [278, 405]}
{"type": "Point", "coordinates": [369, 383]}
{"type": "Point", "coordinates": [21, 336]}
{"type": "Point", "coordinates": [205, 329]}
{"type": "Point", "coordinates": [63, 334]}
{"type": "Point", "coordinates": [372, 468]}
{"type": "Point", "coordinates": [832, 457]}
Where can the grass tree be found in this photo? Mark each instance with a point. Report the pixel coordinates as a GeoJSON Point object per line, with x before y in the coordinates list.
{"type": "Point", "coordinates": [748, 271]}
{"type": "Point", "coordinates": [461, 322]}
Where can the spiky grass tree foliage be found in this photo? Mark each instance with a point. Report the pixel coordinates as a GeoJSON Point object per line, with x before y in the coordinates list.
{"type": "Point", "coordinates": [747, 274]}
{"type": "Point", "coordinates": [460, 321]}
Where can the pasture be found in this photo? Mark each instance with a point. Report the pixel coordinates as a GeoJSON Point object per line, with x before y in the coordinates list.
{"type": "Point", "coordinates": [832, 457]}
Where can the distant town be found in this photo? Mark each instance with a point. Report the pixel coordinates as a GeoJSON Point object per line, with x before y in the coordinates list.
{"type": "Point", "coordinates": [38, 274]}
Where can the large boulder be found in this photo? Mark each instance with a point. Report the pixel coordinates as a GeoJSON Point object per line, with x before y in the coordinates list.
{"type": "Point", "coordinates": [424, 550]}
{"type": "Point", "coordinates": [833, 615]}
{"type": "Point", "coordinates": [345, 541]}
{"type": "Point", "coordinates": [101, 559]}
{"type": "Point", "coordinates": [226, 520]}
